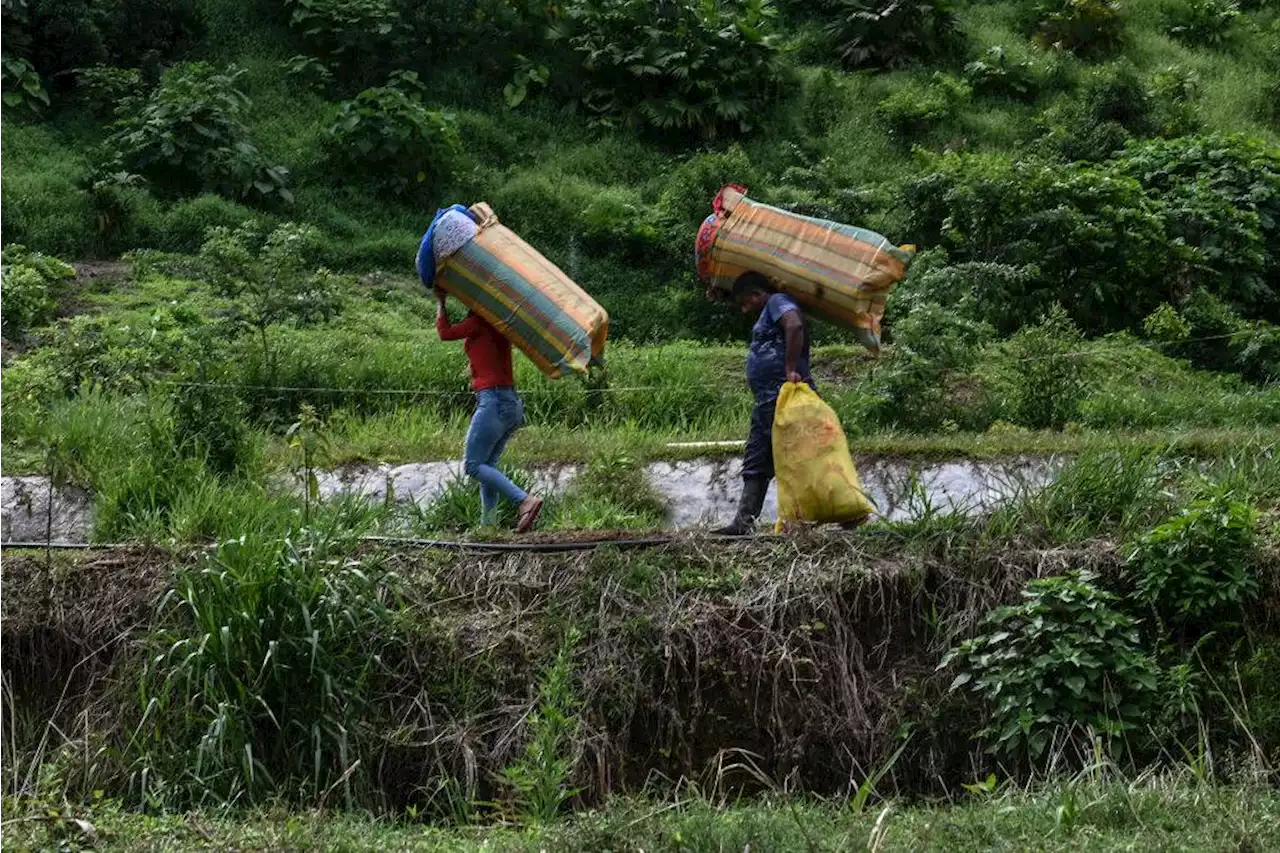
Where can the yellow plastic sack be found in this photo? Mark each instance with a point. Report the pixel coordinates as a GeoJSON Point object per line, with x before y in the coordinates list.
{"type": "Point", "coordinates": [816, 478]}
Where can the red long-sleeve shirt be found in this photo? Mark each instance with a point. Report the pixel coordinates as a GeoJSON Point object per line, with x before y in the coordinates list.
{"type": "Point", "coordinates": [488, 352]}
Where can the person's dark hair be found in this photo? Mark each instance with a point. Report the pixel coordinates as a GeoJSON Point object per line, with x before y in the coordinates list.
{"type": "Point", "coordinates": [749, 283]}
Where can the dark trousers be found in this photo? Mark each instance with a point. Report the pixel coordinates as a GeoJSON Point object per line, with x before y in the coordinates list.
{"type": "Point", "coordinates": [757, 461]}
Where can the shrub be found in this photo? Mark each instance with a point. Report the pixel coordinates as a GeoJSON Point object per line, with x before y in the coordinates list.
{"type": "Point", "coordinates": [934, 350]}
{"type": "Point", "coordinates": [358, 38]}
{"type": "Point", "coordinates": [123, 357]}
{"type": "Point", "coordinates": [57, 36]}
{"type": "Point", "coordinates": [106, 91]}
{"type": "Point", "coordinates": [893, 33]}
{"type": "Point", "coordinates": [1049, 370]}
{"type": "Point", "coordinates": [1096, 240]}
{"type": "Point", "coordinates": [209, 423]}
{"type": "Point", "coordinates": [22, 88]}
{"type": "Point", "coordinates": [1199, 562]}
{"type": "Point", "coordinates": [268, 280]}
{"type": "Point", "coordinates": [1063, 658]}
{"type": "Point", "coordinates": [186, 224]}
{"type": "Point", "coordinates": [125, 215]}
{"type": "Point", "coordinates": [1201, 330]}
{"type": "Point", "coordinates": [30, 281]}
{"type": "Point", "coordinates": [688, 189]}
{"type": "Point", "coordinates": [1114, 105]}
{"type": "Point", "coordinates": [1201, 22]}
{"type": "Point", "coordinates": [1219, 195]}
{"type": "Point", "coordinates": [1001, 295]}
{"type": "Point", "coordinates": [996, 74]}
{"type": "Point", "coordinates": [262, 671]}
{"type": "Point", "coordinates": [189, 137]}
{"type": "Point", "coordinates": [1088, 28]}
{"type": "Point", "coordinates": [387, 134]}
{"type": "Point", "coordinates": [917, 108]}
{"type": "Point", "coordinates": [674, 66]}
{"type": "Point", "coordinates": [1173, 94]}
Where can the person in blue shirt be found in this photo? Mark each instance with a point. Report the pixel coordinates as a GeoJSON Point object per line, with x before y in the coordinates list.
{"type": "Point", "coordinates": [778, 353]}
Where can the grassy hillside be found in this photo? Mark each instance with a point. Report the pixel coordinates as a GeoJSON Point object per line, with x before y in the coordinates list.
{"type": "Point", "coordinates": [613, 193]}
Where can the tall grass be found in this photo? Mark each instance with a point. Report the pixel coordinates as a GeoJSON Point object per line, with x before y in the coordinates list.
{"type": "Point", "coordinates": [261, 672]}
{"type": "Point", "coordinates": [1098, 493]}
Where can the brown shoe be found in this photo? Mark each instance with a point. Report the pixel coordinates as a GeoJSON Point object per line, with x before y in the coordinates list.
{"type": "Point", "coordinates": [529, 512]}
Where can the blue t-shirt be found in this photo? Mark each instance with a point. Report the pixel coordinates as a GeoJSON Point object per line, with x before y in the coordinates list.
{"type": "Point", "coordinates": [767, 354]}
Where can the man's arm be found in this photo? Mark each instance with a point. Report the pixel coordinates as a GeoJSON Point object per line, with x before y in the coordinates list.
{"type": "Point", "coordinates": [446, 330]}
{"type": "Point", "coordinates": [793, 330]}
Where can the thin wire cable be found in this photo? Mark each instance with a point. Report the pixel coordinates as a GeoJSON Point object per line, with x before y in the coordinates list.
{"type": "Point", "coordinates": [1083, 352]}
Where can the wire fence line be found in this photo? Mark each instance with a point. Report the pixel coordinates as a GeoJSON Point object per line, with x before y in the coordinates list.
{"type": "Point", "coordinates": [1083, 352]}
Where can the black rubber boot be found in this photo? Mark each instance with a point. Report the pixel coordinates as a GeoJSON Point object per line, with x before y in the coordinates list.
{"type": "Point", "coordinates": [749, 506]}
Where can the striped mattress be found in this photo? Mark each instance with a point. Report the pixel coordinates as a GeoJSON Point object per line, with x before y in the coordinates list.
{"type": "Point", "coordinates": [527, 298]}
{"type": "Point", "coordinates": [838, 272]}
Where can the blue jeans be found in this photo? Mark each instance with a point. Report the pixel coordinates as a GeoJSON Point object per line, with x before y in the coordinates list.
{"type": "Point", "coordinates": [499, 413]}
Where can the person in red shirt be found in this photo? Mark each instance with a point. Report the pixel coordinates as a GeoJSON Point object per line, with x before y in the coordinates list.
{"type": "Point", "coordinates": [499, 412]}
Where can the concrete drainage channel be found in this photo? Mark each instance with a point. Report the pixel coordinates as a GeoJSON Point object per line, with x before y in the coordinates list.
{"type": "Point", "coordinates": [698, 493]}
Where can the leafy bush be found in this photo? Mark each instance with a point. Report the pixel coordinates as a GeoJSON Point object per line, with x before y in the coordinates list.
{"type": "Point", "coordinates": [1088, 28]}
{"type": "Point", "coordinates": [917, 108]}
{"type": "Point", "coordinates": [689, 187]}
{"type": "Point", "coordinates": [262, 672]}
{"type": "Point", "coordinates": [1173, 93]}
{"type": "Point", "coordinates": [1098, 243]}
{"type": "Point", "coordinates": [123, 357]}
{"type": "Point", "coordinates": [1114, 105]}
{"type": "Point", "coordinates": [934, 349]}
{"type": "Point", "coordinates": [1201, 330]}
{"type": "Point", "coordinates": [1001, 295]}
{"type": "Point", "coordinates": [697, 67]}
{"type": "Point", "coordinates": [189, 137]}
{"type": "Point", "coordinates": [124, 213]}
{"type": "Point", "coordinates": [30, 280]}
{"type": "Point", "coordinates": [357, 37]}
{"type": "Point", "coordinates": [1201, 22]}
{"type": "Point", "coordinates": [268, 279]}
{"type": "Point", "coordinates": [22, 88]}
{"type": "Point", "coordinates": [893, 33]}
{"type": "Point", "coordinates": [997, 74]}
{"type": "Point", "coordinates": [57, 36]}
{"type": "Point", "coordinates": [387, 134]}
{"type": "Point", "coordinates": [1063, 658]}
{"type": "Point", "coordinates": [1200, 561]}
{"type": "Point", "coordinates": [106, 91]}
{"type": "Point", "coordinates": [186, 224]}
{"type": "Point", "coordinates": [1050, 371]}
{"type": "Point", "coordinates": [1221, 196]}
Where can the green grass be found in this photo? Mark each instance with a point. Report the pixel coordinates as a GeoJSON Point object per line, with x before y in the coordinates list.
{"type": "Point", "coordinates": [1154, 814]}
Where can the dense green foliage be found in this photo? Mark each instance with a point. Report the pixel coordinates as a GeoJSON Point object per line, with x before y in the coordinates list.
{"type": "Point", "coordinates": [1200, 562]}
{"type": "Point", "coordinates": [31, 280]}
{"type": "Point", "coordinates": [1116, 185]}
{"type": "Point", "coordinates": [1064, 657]}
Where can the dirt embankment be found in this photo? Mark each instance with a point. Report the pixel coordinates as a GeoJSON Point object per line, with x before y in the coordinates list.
{"type": "Point", "coordinates": [796, 660]}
